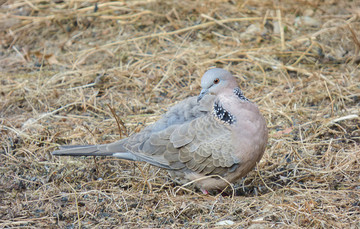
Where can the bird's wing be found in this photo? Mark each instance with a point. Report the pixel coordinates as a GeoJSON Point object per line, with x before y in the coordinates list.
{"type": "Point", "coordinates": [201, 144]}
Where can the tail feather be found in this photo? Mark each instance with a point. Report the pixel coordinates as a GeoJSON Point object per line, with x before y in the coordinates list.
{"type": "Point", "coordinates": [109, 150]}
{"type": "Point", "coordinates": [82, 150]}
{"type": "Point", "coordinates": [74, 146]}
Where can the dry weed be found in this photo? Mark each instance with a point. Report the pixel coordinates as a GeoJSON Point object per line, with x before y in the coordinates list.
{"type": "Point", "coordinates": [72, 70]}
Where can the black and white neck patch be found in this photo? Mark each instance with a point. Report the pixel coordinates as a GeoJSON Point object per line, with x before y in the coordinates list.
{"type": "Point", "coordinates": [239, 94]}
{"type": "Point", "coordinates": [223, 115]}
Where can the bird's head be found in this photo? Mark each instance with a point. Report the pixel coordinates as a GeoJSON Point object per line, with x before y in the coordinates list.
{"type": "Point", "coordinates": [215, 81]}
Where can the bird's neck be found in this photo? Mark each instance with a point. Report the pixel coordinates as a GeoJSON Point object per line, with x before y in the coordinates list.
{"type": "Point", "coordinates": [227, 104]}
{"type": "Point", "coordinates": [237, 91]}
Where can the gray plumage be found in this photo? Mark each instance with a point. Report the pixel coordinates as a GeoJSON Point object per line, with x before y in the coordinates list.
{"type": "Point", "coordinates": [220, 132]}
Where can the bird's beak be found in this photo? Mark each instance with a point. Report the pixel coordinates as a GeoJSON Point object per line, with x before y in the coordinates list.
{"type": "Point", "coordinates": [202, 93]}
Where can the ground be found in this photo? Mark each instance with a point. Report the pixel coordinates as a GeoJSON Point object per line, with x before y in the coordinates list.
{"type": "Point", "coordinates": [93, 72]}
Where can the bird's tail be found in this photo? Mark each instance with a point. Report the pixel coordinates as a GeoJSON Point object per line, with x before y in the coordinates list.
{"type": "Point", "coordinates": [115, 149]}
{"type": "Point", "coordinates": [82, 150]}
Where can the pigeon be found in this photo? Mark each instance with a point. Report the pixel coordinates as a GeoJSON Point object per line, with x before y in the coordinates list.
{"type": "Point", "coordinates": [211, 140]}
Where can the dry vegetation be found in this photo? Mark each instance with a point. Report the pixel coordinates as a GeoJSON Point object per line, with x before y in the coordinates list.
{"type": "Point", "coordinates": [70, 69]}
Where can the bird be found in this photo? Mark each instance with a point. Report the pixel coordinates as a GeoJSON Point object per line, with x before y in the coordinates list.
{"type": "Point", "coordinates": [212, 140]}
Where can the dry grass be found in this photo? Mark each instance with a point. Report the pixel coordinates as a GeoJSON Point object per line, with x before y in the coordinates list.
{"type": "Point", "coordinates": [65, 65]}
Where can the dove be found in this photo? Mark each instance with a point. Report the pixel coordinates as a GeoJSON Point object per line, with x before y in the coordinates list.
{"type": "Point", "coordinates": [212, 140]}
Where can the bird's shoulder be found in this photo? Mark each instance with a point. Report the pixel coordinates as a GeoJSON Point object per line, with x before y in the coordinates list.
{"type": "Point", "coordinates": [184, 112]}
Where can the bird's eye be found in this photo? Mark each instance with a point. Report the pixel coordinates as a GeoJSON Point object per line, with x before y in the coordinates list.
{"type": "Point", "coordinates": [216, 81]}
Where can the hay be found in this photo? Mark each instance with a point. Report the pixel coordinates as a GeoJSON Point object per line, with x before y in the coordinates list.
{"type": "Point", "coordinates": [82, 72]}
